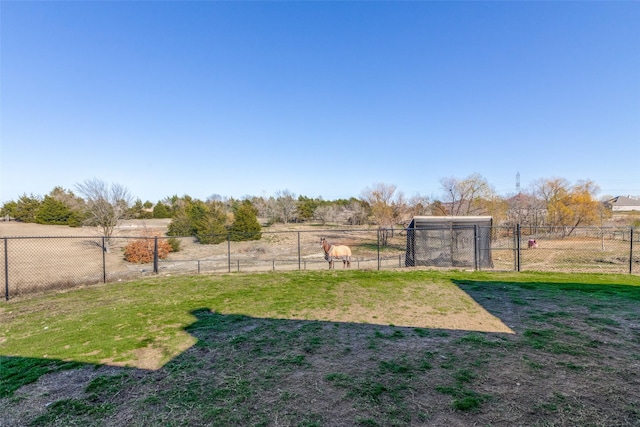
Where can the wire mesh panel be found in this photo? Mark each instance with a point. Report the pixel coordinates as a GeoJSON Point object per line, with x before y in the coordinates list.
{"type": "Point", "coordinates": [586, 249]}
{"type": "Point", "coordinates": [634, 264]}
{"type": "Point", "coordinates": [4, 289]}
{"type": "Point", "coordinates": [273, 251]}
{"type": "Point", "coordinates": [454, 246]}
{"type": "Point", "coordinates": [45, 263]}
{"type": "Point", "coordinates": [504, 244]}
{"type": "Point", "coordinates": [33, 264]}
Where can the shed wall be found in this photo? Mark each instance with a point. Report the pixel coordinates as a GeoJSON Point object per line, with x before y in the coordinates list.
{"type": "Point", "coordinates": [449, 242]}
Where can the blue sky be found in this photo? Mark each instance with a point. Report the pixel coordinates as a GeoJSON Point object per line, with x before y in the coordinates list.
{"type": "Point", "coordinates": [322, 99]}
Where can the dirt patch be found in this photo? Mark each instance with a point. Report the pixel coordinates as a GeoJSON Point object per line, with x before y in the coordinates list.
{"type": "Point", "coordinates": [572, 359]}
{"type": "Point", "coordinates": [34, 400]}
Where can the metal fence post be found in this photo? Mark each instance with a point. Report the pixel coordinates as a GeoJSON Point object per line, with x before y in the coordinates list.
{"type": "Point", "coordinates": [517, 236]}
{"type": "Point", "coordinates": [104, 261]}
{"type": "Point", "coordinates": [630, 253]}
{"type": "Point", "coordinates": [476, 247]}
{"type": "Point", "coordinates": [299, 263]}
{"type": "Point", "coordinates": [6, 270]}
{"type": "Point", "coordinates": [229, 250]}
{"type": "Point", "coordinates": [378, 249]}
{"type": "Point", "coordinates": [155, 254]}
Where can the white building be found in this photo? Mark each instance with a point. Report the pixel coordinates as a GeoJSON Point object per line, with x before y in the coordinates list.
{"type": "Point", "coordinates": [624, 203]}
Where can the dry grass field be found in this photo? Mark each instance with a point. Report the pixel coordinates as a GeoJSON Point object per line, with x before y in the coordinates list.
{"type": "Point", "coordinates": [43, 257]}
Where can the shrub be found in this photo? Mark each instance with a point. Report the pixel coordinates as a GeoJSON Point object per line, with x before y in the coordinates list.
{"type": "Point", "coordinates": [174, 243]}
{"type": "Point", "coordinates": [140, 251]}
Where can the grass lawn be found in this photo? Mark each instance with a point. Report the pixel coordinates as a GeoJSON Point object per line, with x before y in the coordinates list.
{"type": "Point", "coordinates": [327, 348]}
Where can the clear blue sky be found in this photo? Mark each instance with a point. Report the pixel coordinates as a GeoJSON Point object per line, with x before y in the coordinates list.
{"type": "Point", "coordinates": [322, 99]}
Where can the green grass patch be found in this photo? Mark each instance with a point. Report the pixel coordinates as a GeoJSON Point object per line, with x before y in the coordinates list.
{"type": "Point", "coordinates": [18, 371]}
{"type": "Point", "coordinates": [223, 345]}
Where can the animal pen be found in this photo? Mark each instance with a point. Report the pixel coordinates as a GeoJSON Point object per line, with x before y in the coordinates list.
{"type": "Point", "coordinates": [449, 241]}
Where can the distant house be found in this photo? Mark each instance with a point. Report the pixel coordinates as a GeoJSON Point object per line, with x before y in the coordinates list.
{"type": "Point", "coordinates": [623, 203]}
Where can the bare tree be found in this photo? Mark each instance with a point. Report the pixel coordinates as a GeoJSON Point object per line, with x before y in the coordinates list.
{"type": "Point", "coordinates": [325, 213]}
{"type": "Point", "coordinates": [385, 207]}
{"type": "Point", "coordinates": [467, 196]}
{"type": "Point", "coordinates": [358, 213]}
{"type": "Point", "coordinates": [286, 205]}
{"type": "Point", "coordinates": [417, 205]}
{"type": "Point", "coordinates": [106, 205]}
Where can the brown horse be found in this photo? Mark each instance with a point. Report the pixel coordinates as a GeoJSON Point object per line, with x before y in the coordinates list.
{"type": "Point", "coordinates": [332, 252]}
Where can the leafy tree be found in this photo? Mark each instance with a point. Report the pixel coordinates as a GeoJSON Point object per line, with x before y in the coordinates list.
{"type": "Point", "coordinates": [206, 221]}
{"type": "Point", "coordinates": [569, 206]}
{"type": "Point", "coordinates": [73, 202]}
{"type": "Point", "coordinates": [26, 208]}
{"type": "Point", "coordinates": [585, 207]}
{"type": "Point", "coordinates": [245, 225]}
{"type": "Point", "coordinates": [209, 222]}
{"type": "Point", "coordinates": [494, 206]}
{"type": "Point", "coordinates": [306, 207]}
{"type": "Point", "coordinates": [136, 210]}
{"type": "Point", "coordinates": [180, 224]}
{"type": "Point", "coordinates": [555, 192]}
{"type": "Point", "coordinates": [9, 209]}
{"type": "Point", "coordinates": [52, 211]}
{"type": "Point", "coordinates": [175, 203]}
{"type": "Point", "coordinates": [160, 210]}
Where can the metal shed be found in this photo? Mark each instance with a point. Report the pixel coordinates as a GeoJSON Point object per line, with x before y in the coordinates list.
{"type": "Point", "coordinates": [449, 241]}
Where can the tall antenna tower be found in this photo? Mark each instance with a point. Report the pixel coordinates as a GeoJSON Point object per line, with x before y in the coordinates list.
{"type": "Point", "coordinates": [518, 182]}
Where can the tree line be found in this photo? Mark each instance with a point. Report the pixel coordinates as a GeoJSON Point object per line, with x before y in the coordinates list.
{"type": "Point", "coordinates": [551, 202]}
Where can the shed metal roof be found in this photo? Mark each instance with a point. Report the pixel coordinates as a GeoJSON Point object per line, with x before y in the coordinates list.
{"type": "Point", "coordinates": [419, 221]}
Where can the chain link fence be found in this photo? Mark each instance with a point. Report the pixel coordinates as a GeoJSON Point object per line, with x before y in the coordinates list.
{"type": "Point", "coordinates": [36, 264]}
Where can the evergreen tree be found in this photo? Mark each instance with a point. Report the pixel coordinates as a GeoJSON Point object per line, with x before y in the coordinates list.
{"type": "Point", "coordinates": [52, 211]}
{"type": "Point", "coordinates": [206, 221]}
{"type": "Point", "coordinates": [209, 222]}
{"type": "Point", "coordinates": [180, 224]}
{"type": "Point", "coordinates": [136, 210]}
{"type": "Point", "coordinates": [160, 210]}
{"type": "Point", "coordinates": [27, 208]}
{"type": "Point", "coordinates": [9, 209]}
{"type": "Point", "coordinates": [307, 207]}
{"type": "Point", "coordinates": [245, 225]}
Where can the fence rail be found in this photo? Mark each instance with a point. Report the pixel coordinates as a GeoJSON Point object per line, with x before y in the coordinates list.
{"type": "Point", "coordinates": [36, 264]}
